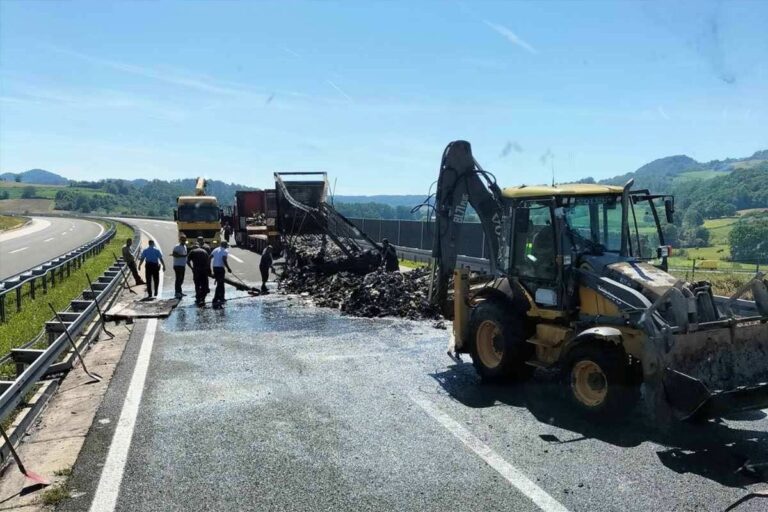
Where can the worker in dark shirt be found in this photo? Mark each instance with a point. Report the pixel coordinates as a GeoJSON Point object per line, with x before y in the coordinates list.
{"type": "Point", "coordinates": [389, 256]}
{"type": "Point", "coordinates": [198, 261]}
{"type": "Point", "coordinates": [130, 261]}
{"type": "Point", "coordinates": [265, 264]}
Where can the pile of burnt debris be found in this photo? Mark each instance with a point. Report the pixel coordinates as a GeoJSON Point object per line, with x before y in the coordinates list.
{"type": "Point", "coordinates": [320, 254]}
{"type": "Point", "coordinates": [356, 285]}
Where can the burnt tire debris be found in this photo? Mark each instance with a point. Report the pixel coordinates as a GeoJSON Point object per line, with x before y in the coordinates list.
{"type": "Point", "coordinates": [356, 285]}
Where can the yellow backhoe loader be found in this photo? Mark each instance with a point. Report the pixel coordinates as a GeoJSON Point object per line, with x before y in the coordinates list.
{"type": "Point", "coordinates": [579, 284]}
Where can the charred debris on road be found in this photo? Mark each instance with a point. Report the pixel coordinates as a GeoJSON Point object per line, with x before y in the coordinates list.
{"type": "Point", "coordinates": [356, 285]}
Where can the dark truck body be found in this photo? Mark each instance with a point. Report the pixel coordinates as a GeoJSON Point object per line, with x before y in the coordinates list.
{"type": "Point", "coordinates": [309, 193]}
{"type": "Point", "coordinates": [253, 219]}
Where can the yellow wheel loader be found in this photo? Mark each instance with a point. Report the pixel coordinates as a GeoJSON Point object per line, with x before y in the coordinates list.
{"type": "Point", "coordinates": [578, 283]}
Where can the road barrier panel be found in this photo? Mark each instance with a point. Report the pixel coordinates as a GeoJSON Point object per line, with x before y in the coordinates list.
{"type": "Point", "coordinates": [33, 365]}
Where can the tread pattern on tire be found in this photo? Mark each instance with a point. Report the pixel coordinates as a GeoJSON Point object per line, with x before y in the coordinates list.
{"type": "Point", "coordinates": [516, 348]}
{"type": "Point", "coordinates": [623, 390]}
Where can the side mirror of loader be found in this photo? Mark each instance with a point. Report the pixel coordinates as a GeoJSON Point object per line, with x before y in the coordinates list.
{"type": "Point", "coordinates": [669, 209]}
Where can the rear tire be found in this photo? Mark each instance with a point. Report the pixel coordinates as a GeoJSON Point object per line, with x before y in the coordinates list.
{"type": "Point", "coordinates": [498, 345]}
{"type": "Point", "coordinates": [598, 380]}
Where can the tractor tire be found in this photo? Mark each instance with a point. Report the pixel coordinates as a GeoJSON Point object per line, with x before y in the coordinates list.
{"type": "Point", "coordinates": [498, 345]}
{"type": "Point", "coordinates": [599, 381]}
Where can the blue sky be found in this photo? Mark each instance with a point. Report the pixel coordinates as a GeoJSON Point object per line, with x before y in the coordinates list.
{"type": "Point", "coordinates": [371, 92]}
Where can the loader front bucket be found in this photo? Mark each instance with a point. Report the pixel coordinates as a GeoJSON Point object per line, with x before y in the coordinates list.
{"type": "Point", "coordinates": [691, 398]}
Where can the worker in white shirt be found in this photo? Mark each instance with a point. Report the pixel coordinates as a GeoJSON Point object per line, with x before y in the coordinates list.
{"type": "Point", "coordinates": [180, 263]}
{"type": "Point", "coordinates": [219, 263]}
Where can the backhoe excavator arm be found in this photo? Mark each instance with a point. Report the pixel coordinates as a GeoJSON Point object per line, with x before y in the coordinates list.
{"type": "Point", "coordinates": [200, 187]}
{"type": "Point", "coordinates": [462, 182]}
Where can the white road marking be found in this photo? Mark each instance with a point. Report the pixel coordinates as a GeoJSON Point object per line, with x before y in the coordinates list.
{"type": "Point", "coordinates": [513, 475]}
{"type": "Point", "coordinates": [19, 250]}
{"type": "Point", "coordinates": [112, 473]}
{"type": "Point", "coordinates": [49, 239]}
{"type": "Point", "coordinates": [64, 233]}
{"type": "Point", "coordinates": [101, 228]}
{"type": "Point", "coordinates": [34, 226]}
{"type": "Point", "coordinates": [105, 498]}
{"type": "Point", "coordinates": [235, 258]}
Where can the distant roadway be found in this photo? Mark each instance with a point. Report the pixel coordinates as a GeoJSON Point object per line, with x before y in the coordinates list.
{"type": "Point", "coordinates": [43, 239]}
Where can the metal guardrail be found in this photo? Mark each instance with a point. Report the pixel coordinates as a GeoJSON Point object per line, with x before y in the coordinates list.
{"type": "Point", "coordinates": [425, 256]}
{"type": "Point", "coordinates": [482, 265]}
{"type": "Point", "coordinates": [47, 271]}
{"type": "Point", "coordinates": [34, 365]}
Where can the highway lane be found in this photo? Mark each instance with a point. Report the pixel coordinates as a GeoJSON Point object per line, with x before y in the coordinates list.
{"type": "Point", "coordinates": [270, 404]}
{"type": "Point", "coordinates": [44, 239]}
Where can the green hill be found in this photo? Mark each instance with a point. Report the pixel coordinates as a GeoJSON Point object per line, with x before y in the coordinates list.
{"type": "Point", "coordinates": [35, 176]}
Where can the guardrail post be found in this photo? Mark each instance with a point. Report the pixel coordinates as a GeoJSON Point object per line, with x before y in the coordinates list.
{"type": "Point", "coordinates": [2, 308]}
{"type": "Point", "coordinates": [398, 231]}
{"type": "Point", "coordinates": [421, 236]}
{"type": "Point", "coordinates": [45, 284]}
{"type": "Point", "coordinates": [53, 278]}
{"type": "Point", "coordinates": [32, 288]}
{"type": "Point", "coordinates": [18, 299]}
{"type": "Point", "coordinates": [68, 270]}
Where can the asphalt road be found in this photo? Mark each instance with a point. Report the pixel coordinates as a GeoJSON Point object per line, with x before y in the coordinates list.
{"type": "Point", "coordinates": [270, 404]}
{"type": "Point", "coordinates": [45, 238]}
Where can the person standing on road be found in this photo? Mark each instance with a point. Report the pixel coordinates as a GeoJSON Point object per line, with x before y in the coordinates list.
{"type": "Point", "coordinates": [130, 262]}
{"type": "Point", "coordinates": [198, 260]}
{"type": "Point", "coordinates": [154, 259]}
{"type": "Point", "coordinates": [389, 256]}
{"type": "Point", "coordinates": [227, 232]}
{"type": "Point", "coordinates": [179, 264]}
{"type": "Point", "coordinates": [265, 264]}
{"type": "Point", "coordinates": [219, 263]}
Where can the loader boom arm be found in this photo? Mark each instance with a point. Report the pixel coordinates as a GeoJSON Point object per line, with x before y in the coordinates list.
{"type": "Point", "coordinates": [462, 182]}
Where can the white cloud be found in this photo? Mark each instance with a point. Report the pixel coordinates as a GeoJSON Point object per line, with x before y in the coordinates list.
{"type": "Point", "coordinates": [339, 89]}
{"type": "Point", "coordinates": [174, 77]}
{"type": "Point", "coordinates": [511, 36]}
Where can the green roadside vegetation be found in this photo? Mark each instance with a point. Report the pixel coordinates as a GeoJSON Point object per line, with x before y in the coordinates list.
{"type": "Point", "coordinates": [8, 222]}
{"type": "Point", "coordinates": [20, 328]}
{"type": "Point", "coordinates": [413, 264]}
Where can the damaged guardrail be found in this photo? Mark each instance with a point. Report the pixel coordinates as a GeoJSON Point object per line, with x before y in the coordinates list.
{"type": "Point", "coordinates": [33, 365]}
{"type": "Point", "coordinates": [46, 273]}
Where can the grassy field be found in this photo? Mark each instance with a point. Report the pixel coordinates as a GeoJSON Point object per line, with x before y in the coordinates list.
{"type": "Point", "coordinates": [24, 326]}
{"type": "Point", "coordinates": [26, 205]}
{"type": "Point", "coordinates": [7, 222]}
{"type": "Point", "coordinates": [699, 175]}
{"type": "Point", "coordinates": [43, 191]}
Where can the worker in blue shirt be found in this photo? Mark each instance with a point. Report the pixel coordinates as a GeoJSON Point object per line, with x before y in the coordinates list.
{"type": "Point", "coordinates": [154, 259]}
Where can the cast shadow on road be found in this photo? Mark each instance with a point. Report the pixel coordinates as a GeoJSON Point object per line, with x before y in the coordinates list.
{"type": "Point", "coordinates": [713, 449]}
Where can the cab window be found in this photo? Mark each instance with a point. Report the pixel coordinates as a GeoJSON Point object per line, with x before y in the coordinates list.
{"type": "Point", "coordinates": [534, 241]}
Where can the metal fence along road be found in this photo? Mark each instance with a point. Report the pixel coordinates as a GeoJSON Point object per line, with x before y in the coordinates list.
{"type": "Point", "coordinates": [29, 283]}
{"type": "Point", "coordinates": [418, 234]}
{"type": "Point", "coordinates": [33, 365]}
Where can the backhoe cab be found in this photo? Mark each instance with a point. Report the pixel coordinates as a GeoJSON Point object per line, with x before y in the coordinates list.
{"type": "Point", "coordinates": [579, 284]}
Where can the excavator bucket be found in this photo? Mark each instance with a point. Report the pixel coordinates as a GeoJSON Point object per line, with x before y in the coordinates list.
{"type": "Point", "coordinates": [721, 367]}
